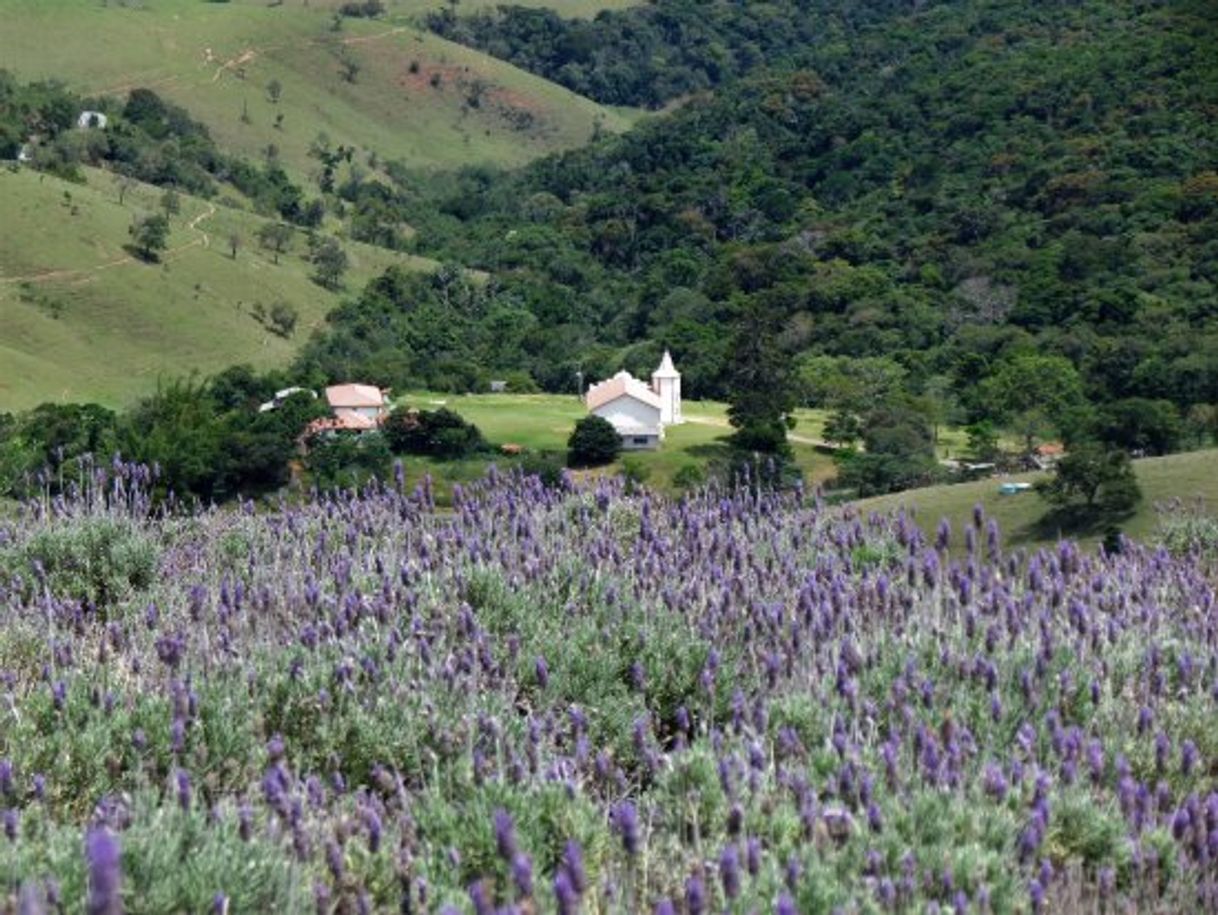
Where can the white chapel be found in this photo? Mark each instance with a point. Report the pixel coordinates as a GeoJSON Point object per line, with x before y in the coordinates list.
{"type": "Point", "coordinates": [639, 411]}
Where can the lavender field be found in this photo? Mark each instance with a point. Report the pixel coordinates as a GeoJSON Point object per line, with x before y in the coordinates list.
{"type": "Point", "coordinates": [587, 700]}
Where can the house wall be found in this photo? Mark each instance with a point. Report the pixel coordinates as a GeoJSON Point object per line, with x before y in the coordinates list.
{"type": "Point", "coordinates": [626, 411]}
{"type": "Point", "coordinates": [370, 412]}
{"type": "Point", "coordinates": [640, 442]}
{"type": "Point", "coordinates": [669, 390]}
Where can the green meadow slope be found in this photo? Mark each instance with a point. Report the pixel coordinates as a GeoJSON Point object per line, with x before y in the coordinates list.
{"type": "Point", "coordinates": [1188, 477]}
{"type": "Point", "coordinates": [414, 98]}
{"type": "Point", "coordinates": [82, 320]}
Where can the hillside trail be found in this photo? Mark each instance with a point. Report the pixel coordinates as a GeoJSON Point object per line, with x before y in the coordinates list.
{"type": "Point", "coordinates": [128, 81]}
{"type": "Point", "coordinates": [250, 54]}
{"type": "Point", "coordinates": [88, 274]}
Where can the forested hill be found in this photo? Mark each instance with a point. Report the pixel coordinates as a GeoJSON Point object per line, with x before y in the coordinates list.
{"type": "Point", "coordinates": [650, 54]}
{"type": "Point", "coordinates": [987, 178]}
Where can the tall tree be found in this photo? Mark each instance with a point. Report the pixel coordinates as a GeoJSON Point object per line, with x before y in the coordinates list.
{"type": "Point", "coordinates": [329, 263]}
{"type": "Point", "coordinates": [1094, 479]}
{"type": "Point", "coordinates": [761, 383]}
{"type": "Point", "coordinates": [151, 235]}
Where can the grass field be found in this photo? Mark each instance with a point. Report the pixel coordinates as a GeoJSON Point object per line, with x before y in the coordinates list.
{"type": "Point", "coordinates": [80, 319]}
{"type": "Point", "coordinates": [411, 99]}
{"type": "Point", "coordinates": [1189, 477]}
{"type": "Point", "coordinates": [543, 422]}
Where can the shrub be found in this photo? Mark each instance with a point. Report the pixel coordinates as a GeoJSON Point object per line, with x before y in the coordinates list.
{"type": "Point", "coordinates": [545, 467]}
{"type": "Point", "coordinates": [690, 476]}
{"type": "Point", "coordinates": [345, 461]}
{"type": "Point", "coordinates": [433, 433]}
{"type": "Point", "coordinates": [635, 472]}
{"type": "Point", "coordinates": [593, 443]}
{"type": "Point", "coordinates": [1187, 531]}
{"type": "Point", "coordinates": [521, 383]}
{"type": "Point", "coordinates": [102, 560]}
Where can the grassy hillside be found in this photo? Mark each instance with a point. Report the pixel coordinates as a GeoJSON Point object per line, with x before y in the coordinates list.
{"type": "Point", "coordinates": [1188, 477]}
{"type": "Point", "coordinates": [415, 97]}
{"type": "Point", "coordinates": [84, 320]}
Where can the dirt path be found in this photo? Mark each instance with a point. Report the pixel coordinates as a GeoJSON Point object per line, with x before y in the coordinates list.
{"type": "Point", "coordinates": [193, 225]}
{"type": "Point", "coordinates": [249, 55]}
{"type": "Point", "coordinates": [245, 57]}
{"type": "Point", "coordinates": [364, 39]}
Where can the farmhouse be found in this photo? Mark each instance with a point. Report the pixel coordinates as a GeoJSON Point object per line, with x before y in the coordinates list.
{"type": "Point", "coordinates": [1046, 456]}
{"type": "Point", "coordinates": [361, 406]}
{"type": "Point", "coordinates": [638, 411]}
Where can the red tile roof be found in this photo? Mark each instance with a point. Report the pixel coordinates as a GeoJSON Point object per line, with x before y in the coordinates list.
{"type": "Point", "coordinates": [623, 384]}
{"type": "Point", "coordinates": [354, 395]}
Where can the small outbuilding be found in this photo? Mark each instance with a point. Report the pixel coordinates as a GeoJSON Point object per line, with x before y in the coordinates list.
{"type": "Point", "coordinates": [92, 119]}
{"type": "Point", "coordinates": [281, 396]}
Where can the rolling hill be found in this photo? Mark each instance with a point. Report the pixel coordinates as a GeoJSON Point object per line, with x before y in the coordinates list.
{"type": "Point", "coordinates": [83, 320]}
{"type": "Point", "coordinates": [1188, 476]}
{"type": "Point", "coordinates": [412, 96]}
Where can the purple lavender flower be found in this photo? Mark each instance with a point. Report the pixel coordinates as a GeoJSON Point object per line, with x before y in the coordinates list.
{"type": "Point", "coordinates": [729, 871]}
{"type": "Point", "coordinates": [1036, 895]}
{"type": "Point", "coordinates": [522, 874]}
{"type": "Point", "coordinates": [695, 896]}
{"type": "Point", "coordinates": [566, 897]}
{"type": "Point", "coordinates": [626, 823]}
{"type": "Point", "coordinates": [752, 856]}
{"type": "Point", "coordinates": [334, 860]}
{"type": "Point", "coordinates": [480, 899]}
{"type": "Point", "coordinates": [542, 671]}
{"type": "Point", "coordinates": [1188, 757]}
{"type": "Point", "coordinates": [105, 872]}
{"type": "Point", "coordinates": [182, 782]}
{"type": "Point", "coordinates": [573, 864]}
{"type": "Point", "coordinates": [30, 899]}
{"type": "Point", "coordinates": [505, 834]}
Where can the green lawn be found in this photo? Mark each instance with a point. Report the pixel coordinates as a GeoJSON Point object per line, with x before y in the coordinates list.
{"type": "Point", "coordinates": [82, 320]}
{"type": "Point", "coordinates": [543, 422]}
{"type": "Point", "coordinates": [1188, 477]}
{"type": "Point", "coordinates": [216, 59]}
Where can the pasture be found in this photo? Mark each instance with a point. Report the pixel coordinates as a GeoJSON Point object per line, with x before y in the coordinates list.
{"type": "Point", "coordinates": [83, 320]}
{"type": "Point", "coordinates": [1188, 477]}
{"type": "Point", "coordinates": [413, 97]}
{"type": "Point", "coordinates": [543, 422]}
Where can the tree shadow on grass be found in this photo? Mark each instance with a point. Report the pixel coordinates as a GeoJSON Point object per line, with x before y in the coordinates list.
{"type": "Point", "coordinates": [144, 257]}
{"type": "Point", "coordinates": [1075, 522]}
{"type": "Point", "coordinates": [709, 450]}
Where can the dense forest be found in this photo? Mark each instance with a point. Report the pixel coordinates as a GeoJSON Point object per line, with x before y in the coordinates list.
{"type": "Point", "coordinates": [986, 185]}
{"type": "Point", "coordinates": [647, 55]}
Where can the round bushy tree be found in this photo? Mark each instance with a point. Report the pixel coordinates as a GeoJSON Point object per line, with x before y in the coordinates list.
{"type": "Point", "coordinates": [593, 442]}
